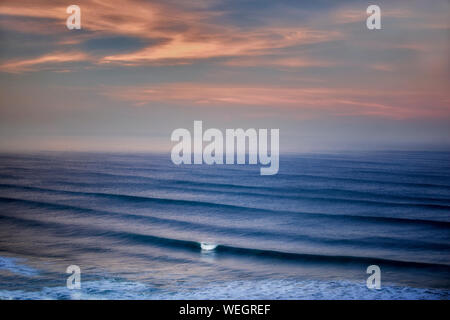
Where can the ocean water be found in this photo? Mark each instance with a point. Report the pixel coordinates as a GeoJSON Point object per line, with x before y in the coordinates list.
{"type": "Point", "coordinates": [134, 224]}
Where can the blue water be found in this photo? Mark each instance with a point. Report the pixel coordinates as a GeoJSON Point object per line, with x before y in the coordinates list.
{"type": "Point", "coordinates": [133, 223]}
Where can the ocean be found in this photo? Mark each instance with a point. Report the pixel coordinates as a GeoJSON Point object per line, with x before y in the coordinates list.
{"type": "Point", "coordinates": [134, 224]}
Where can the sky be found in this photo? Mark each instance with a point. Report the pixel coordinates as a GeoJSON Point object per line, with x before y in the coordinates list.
{"type": "Point", "coordinates": [137, 70]}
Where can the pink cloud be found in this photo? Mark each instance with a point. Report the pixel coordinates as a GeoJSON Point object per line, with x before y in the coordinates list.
{"type": "Point", "coordinates": [307, 101]}
{"type": "Point", "coordinates": [41, 62]}
{"type": "Point", "coordinates": [188, 34]}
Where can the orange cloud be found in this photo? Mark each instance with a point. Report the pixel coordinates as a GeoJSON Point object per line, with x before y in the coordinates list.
{"type": "Point", "coordinates": [346, 15]}
{"type": "Point", "coordinates": [226, 43]}
{"type": "Point", "coordinates": [309, 101]}
{"type": "Point", "coordinates": [33, 64]}
{"type": "Point", "coordinates": [189, 34]}
{"type": "Point", "coordinates": [287, 62]}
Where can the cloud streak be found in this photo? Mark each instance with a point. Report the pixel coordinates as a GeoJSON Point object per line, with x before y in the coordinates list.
{"type": "Point", "coordinates": [314, 101]}
{"type": "Point", "coordinates": [186, 35]}
{"type": "Point", "coordinates": [43, 62]}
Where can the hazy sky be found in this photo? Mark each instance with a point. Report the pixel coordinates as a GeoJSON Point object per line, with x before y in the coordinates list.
{"type": "Point", "coordinates": [137, 70]}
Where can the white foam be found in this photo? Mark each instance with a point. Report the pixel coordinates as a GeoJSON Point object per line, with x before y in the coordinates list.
{"type": "Point", "coordinates": [243, 289]}
{"type": "Point", "coordinates": [207, 246]}
{"type": "Point", "coordinates": [305, 290]}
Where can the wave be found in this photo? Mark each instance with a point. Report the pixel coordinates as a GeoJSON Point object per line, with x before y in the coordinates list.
{"type": "Point", "coordinates": [195, 246]}
{"type": "Point", "coordinates": [140, 217]}
{"type": "Point", "coordinates": [296, 193]}
{"type": "Point", "coordinates": [238, 209]}
{"type": "Point", "coordinates": [239, 231]}
{"type": "Point", "coordinates": [12, 265]}
{"type": "Point", "coordinates": [359, 218]}
{"type": "Point", "coordinates": [282, 176]}
{"type": "Point", "coordinates": [261, 289]}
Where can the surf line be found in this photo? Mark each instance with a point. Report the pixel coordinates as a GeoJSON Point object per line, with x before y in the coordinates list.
{"type": "Point", "coordinates": [235, 139]}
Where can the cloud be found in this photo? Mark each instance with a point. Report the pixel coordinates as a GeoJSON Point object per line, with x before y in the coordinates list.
{"type": "Point", "coordinates": [309, 102]}
{"type": "Point", "coordinates": [287, 62]}
{"type": "Point", "coordinates": [351, 15]}
{"type": "Point", "coordinates": [227, 43]}
{"type": "Point", "coordinates": [42, 62]}
{"type": "Point", "coordinates": [185, 34]}
{"type": "Point", "coordinates": [144, 64]}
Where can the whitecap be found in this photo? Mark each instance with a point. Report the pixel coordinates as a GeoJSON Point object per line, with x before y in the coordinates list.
{"type": "Point", "coordinates": [207, 246]}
